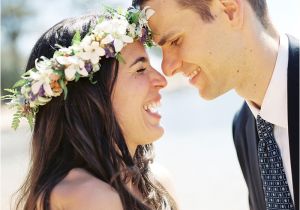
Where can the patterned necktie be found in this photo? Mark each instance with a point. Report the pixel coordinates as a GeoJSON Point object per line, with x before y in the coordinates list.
{"type": "Point", "coordinates": [276, 189]}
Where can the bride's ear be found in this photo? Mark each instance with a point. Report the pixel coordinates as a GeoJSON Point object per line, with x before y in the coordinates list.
{"type": "Point", "coordinates": [234, 10]}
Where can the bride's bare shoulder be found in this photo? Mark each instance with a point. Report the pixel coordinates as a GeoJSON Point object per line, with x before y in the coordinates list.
{"type": "Point", "coordinates": [80, 190]}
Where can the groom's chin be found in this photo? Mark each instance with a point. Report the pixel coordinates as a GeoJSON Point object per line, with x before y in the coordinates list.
{"type": "Point", "coordinates": [206, 95]}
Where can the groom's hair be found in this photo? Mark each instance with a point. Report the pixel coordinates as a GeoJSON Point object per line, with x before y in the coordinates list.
{"type": "Point", "coordinates": [202, 7]}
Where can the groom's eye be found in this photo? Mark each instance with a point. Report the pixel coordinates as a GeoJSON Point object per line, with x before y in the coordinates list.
{"type": "Point", "coordinates": [175, 42]}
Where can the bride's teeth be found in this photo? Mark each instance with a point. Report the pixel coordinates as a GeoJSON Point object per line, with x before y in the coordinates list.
{"type": "Point", "coordinates": [152, 107]}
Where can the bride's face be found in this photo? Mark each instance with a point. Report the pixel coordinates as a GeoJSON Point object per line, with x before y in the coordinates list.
{"type": "Point", "coordinates": [136, 95]}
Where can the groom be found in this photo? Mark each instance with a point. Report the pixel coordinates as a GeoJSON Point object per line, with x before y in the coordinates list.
{"type": "Point", "coordinates": [231, 44]}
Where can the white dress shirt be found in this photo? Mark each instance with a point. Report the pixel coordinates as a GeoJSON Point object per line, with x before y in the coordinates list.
{"type": "Point", "coordinates": [274, 107]}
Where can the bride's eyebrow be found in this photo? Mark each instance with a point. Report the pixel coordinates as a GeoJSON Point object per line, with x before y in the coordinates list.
{"type": "Point", "coordinates": [139, 59]}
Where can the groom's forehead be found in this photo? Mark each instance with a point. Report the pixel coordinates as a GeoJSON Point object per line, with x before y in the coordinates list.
{"type": "Point", "coordinates": [165, 20]}
{"type": "Point", "coordinates": [164, 16]}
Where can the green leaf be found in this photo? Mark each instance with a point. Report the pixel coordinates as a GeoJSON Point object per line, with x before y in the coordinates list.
{"type": "Point", "coordinates": [119, 10]}
{"type": "Point", "coordinates": [76, 38]}
{"type": "Point", "coordinates": [58, 72]}
{"type": "Point", "coordinates": [133, 17]}
{"type": "Point", "coordinates": [64, 87]}
{"type": "Point", "coordinates": [77, 77]}
{"type": "Point", "coordinates": [30, 119]}
{"type": "Point", "coordinates": [16, 119]}
{"type": "Point", "coordinates": [109, 9]}
{"type": "Point", "coordinates": [91, 79]}
{"type": "Point", "coordinates": [13, 91]}
{"type": "Point", "coordinates": [101, 19]}
{"type": "Point", "coordinates": [19, 83]}
{"type": "Point", "coordinates": [120, 58]}
{"type": "Point", "coordinates": [7, 97]}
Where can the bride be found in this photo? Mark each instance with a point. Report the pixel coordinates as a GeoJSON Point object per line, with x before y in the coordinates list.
{"type": "Point", "coordinates": [90, 95]}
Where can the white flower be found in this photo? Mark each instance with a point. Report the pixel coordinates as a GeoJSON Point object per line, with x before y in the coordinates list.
{"type": "Point", "coordinates": [139, 31]}
{"type": "Point", "coordinates": [39, 101]}
{"type": "Point", "coordinates": [65, 50]}
{"type": "Point", "coordinates": [71, 70]}
{"type": "Point", "coordinates": [87, 40]}
{"type": "Point", "coordinates": [147, 12]}
{"type": "Point", "coordinates": [119, 44]}
{"type": "Point", "coordinates": [74, 64]}
{"type": "Point", "coordinates": [25, 91]}
{"type": "Point", "coordinates": [115, 30]}
{"type": "Point", "coordinates": [131, 29]}
{"type": "Point", "coordinates": [41, 79]}
{"type": "Point", "coordinates": [116, 25]}
{"type": "Point", "coordinates": [43, 64]}
{"type": "Point", "coordinates": [96, 67]}
{"type": "Point", "coordinates": [67, 60]}
{"type": "Point", "coordinates": [119, 41]}
{"type": "Point", "coordinates": [101, 28]}
{"type": "Point", "coordinates": [92, 52]}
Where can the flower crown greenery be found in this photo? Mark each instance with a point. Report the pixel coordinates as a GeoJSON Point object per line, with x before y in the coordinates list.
{"type": "Point", "coordinates": [50, 76]}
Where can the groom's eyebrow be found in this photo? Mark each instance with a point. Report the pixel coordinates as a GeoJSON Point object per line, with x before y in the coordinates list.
{"type": "Point", "coordinates": [139, 59]}
{"type": "Point", "coordinates": [165, 38]}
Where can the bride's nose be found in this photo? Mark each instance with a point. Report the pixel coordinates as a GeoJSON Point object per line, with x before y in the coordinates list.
{"type": "Point", "coordinates": [158, 80]}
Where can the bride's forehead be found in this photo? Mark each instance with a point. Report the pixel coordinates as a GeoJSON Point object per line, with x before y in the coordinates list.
{"type": "Point", "coordinates": [132, 51]}
{"type": "Point", "coordinates": [133, 48]}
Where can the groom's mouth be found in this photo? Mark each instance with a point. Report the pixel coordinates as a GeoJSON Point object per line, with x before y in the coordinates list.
{"type": "Point", "coordinates": [192, 75]}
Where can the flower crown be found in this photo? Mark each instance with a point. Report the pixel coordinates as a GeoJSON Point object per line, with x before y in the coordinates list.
{"type": "Point", "coordinates": [49, 77]}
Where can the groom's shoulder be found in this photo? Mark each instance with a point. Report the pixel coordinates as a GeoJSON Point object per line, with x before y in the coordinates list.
{"type": "Point", "coordinates": [241, 117]}
{"type": "Point", "coordinates": [294, 41]}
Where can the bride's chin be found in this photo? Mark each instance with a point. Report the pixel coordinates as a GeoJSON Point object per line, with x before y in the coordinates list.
{"type": "Point", "coordinates": [155, 134]}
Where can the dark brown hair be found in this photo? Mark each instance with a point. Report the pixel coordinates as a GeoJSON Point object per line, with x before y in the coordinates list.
{"type": "Point", "coordinates": [83, 132]}
{"type": "Point", "coordinates": [202, 7]}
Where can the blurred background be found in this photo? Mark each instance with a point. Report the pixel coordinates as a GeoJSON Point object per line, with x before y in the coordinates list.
{"type": "Point", "coordinates": [197, 148]}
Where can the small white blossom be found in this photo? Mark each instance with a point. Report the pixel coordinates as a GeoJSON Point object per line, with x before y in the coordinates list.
{"type": "Point", "coordinates": [39, 101]}
{"type": "Point", "coordinates": [92, 52]}
{"type": "Point", "coordinates": [74, 64]}
{"type": "Point", "coordinates": [71, 70]}
{"type": "Point", "coordinates": [119, 40]}
{"type": "Point", "coordinates": [116, 30]}
{"type": "Point", "coordinates": [96, 67]}
{"type": "Point", "coordinates": [148, 12]}
{"type": "Point", "coordinates": [132, 29]}
{"type": "Point", "coordinates": [87, 40]}
{"type": "Point", "coordinates": [41, 79]}
{"type": "Point", "coordinates": [44, 64]}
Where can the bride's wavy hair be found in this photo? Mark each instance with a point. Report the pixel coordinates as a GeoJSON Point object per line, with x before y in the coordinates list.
{"type": "Point", "coordinates": [82, 131]}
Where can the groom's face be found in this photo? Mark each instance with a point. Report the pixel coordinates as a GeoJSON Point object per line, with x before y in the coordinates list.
{"type": "Point", "coordinates": [200, 50]}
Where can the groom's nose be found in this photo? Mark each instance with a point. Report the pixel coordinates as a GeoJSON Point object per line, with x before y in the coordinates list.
{"type": "Point", "coordinates": [171, 63]}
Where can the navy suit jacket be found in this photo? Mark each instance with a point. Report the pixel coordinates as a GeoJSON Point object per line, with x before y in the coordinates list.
{"type": "Point", "coordinates": [246, 138]}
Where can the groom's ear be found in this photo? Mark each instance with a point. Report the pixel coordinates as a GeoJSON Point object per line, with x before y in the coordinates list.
{"type": "Point", "coordinates": [234, 11]}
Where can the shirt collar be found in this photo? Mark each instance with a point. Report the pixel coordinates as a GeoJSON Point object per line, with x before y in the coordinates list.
{"type": "Point", "coordinates": [274, 105]}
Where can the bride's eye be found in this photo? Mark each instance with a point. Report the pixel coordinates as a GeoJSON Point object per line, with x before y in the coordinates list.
{"type": "Point", "coordinates": [141, 70]}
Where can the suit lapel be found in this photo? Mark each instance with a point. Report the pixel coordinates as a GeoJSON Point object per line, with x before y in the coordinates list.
{"type": "Point", "coordinates": [293, 113]}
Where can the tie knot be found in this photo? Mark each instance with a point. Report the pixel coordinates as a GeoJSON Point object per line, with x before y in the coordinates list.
{"type": "Point", "coordinates": [264, 128]}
